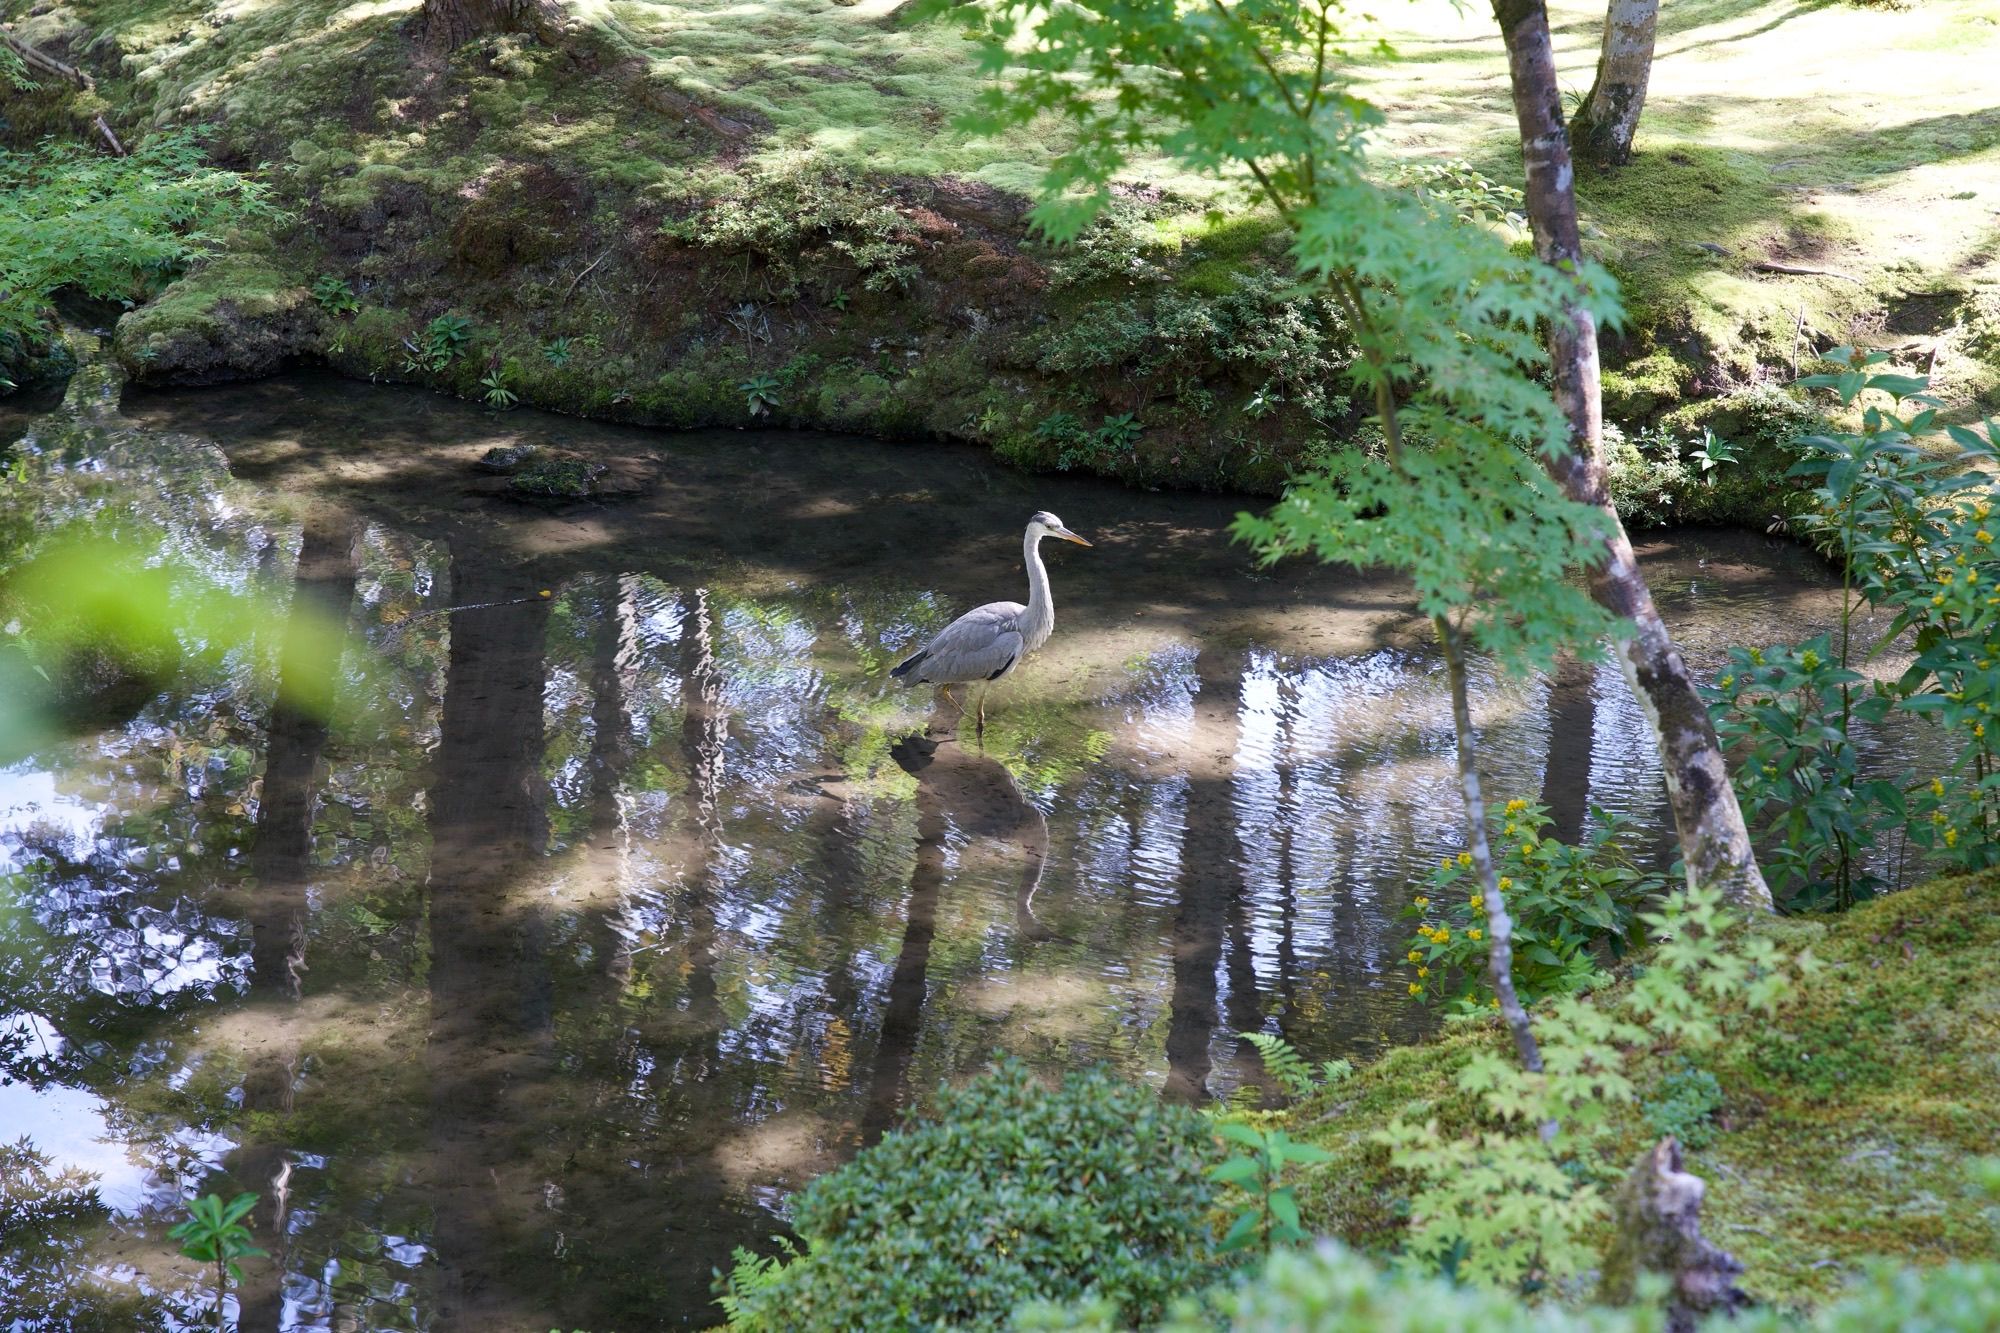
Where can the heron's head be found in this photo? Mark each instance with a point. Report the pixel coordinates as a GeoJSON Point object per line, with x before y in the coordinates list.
{"type": "Point", "coordinates": [1047, 524]}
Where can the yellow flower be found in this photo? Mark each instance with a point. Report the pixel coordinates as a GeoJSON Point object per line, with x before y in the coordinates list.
{"type": "Point", "coordinates": [1757, 656]}
{"type": "Point", "coordinates": [1979, 730]}
{"type": "Point", "coordinates": [1505, 884]}
{"type": "Point", "coordinates": [1944, 577]}
{"type": "Point", "coordinates": [1951, 837]}
{"type": "Point", "coordinates": [1937, 786]}
{"type": "Point", "coordinates": [1982, 536]}
{"type": "Point", "coordinates": [1475, 934]}
{"type": "Point", "coordinates": [1443, 935]}
{"type": "Point", "coordinates": [1416, 988]}
{"type": "Point", "coordinates": [1465, 858]}
{"type": "Point", "coordinates": [1515, 807]}
{"type": "Point", "coordinates": [1493, 1003]}
{"type": "Point", "coordinates": [1423, 971]}
{"type": "Point", "coordinates": [1423, 903]}
{"type": "Point", "coordinates": [1416, 956]}
{"type": "Point", "coordinates": [1725, 682]}
{"type": "Point", "coordinates": [1510, 829]}
{"type": "Point", "coordinates": [1938, 600]}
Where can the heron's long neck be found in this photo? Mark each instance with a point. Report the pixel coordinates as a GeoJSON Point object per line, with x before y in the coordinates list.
{"type": "Point", "coordinates": [1040, 618]}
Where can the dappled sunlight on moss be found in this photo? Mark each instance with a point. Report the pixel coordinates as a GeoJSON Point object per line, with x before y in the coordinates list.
{"type": "Point", "coordinates": [1849, 1114]}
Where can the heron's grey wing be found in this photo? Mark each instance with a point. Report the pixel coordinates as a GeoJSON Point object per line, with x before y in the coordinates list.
{"type": "Point", "coordinates": [979, 645]}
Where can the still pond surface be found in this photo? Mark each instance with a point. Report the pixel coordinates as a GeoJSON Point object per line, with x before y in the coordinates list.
{"type": "Point", "coordinates": [616, 905]}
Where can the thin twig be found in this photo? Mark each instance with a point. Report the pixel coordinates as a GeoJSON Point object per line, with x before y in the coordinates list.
{"type": "Point", "coordinates": [578, 279]}
{"type": "Point", "coordinates": [109, 137]}
{"type": "Point", "coordinates": [1801, 271]}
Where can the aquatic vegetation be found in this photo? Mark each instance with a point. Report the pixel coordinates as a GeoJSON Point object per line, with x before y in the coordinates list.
{"type": "Point", "coordinates": [214, 1234]}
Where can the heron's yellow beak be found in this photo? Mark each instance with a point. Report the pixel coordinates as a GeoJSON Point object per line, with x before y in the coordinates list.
{"type": "Point", "coordinates": [1069, 536]}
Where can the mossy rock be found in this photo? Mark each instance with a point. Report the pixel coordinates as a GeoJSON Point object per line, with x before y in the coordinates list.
{"type": "Point", "coordinates": [239, 317]}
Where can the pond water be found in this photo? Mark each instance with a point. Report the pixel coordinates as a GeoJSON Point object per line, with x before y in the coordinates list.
{"type": "Point", "coordinates": [611, 908]}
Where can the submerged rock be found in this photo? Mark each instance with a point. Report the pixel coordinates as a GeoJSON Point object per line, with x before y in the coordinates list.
{"type": "Point", "coordinates": [558, 477]}
{"type": "Point", "coordinates": [508, 458]}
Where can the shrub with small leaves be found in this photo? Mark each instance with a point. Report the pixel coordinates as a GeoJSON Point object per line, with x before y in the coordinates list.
{"type": "Point", "coordinates": [1685, 1105]}
{"type": "Point", "coordinates": [1016, 1192]}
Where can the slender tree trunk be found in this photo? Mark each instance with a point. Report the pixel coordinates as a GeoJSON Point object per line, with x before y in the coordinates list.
{"type": "Point", "coordinates": [450, 24]}
{"type": "Point", "coordinates": [1499, 925]}
{"type": "Point", "coordinates": [1715, 845]}
{"type": "Point", "coordinates": [1608, 121]}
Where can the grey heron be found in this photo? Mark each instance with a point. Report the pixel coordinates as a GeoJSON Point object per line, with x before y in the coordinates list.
{"type": "Point", "coordinates": [989, 641]}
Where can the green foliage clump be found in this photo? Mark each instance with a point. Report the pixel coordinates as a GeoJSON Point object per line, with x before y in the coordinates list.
{"type": "Point", "coordinates": [1329, 1289]}
{"type": "Point", "coordinates": [1566, 903]}
{"type": "Point", "coordinates": [1015, 1192]}
{"type": "Point", "coordinates": [333, 295]}
{"type": "Point", "coordinates": [1915, 533]}
{"type": "Point", "coordinates": [801, 220]}
{"type": "Point", "coordinates": [1684, 1105]}
{"type": "Point", "coordinates": [1271, 1212]}
{"type": "Point", "coordinates": [1515, 1200]}
{"type": "Point", "coordinates": [113, 228]}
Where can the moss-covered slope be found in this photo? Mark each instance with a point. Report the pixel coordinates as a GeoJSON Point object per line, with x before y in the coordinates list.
{"type": "Point", "coordinates": [689, 197]}
{"type": "Point", "coordinates": [1848, 1117]}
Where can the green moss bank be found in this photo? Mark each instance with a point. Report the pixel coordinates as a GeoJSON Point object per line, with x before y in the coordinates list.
{"type": "Point", "coordinates": [695, 213]}
{"type": "Point", "coordinates": [1848, 1116]}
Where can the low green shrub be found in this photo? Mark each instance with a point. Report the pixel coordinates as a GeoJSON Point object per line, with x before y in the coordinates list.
{"type": "Point", "coordinates": [1684, 1105]}
{"type": "Point", "coordinates": [1331, 1290]}
{"type": "Point", "coordinates": [1016, 1192]}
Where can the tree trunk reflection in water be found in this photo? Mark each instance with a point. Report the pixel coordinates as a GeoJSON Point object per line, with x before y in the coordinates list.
{"type": "Point", "coordinates": [1211, 885]}
{"type": "Point", "coordinates": [902, 1018]}
{"type": "Point", "coordinates": [488, 823]}
{"type": "Point", "coordinates": [1572, 738]}
{"type": "Point", "coordinates": [704, 738]}
{"type": "Point", "coordinates": [280, 868]}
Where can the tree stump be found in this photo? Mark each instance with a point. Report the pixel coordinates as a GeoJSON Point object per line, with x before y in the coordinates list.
{"type": "Point", "coordinates": [1659, 1231]}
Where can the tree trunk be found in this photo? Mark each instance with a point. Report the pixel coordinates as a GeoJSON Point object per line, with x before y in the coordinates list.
{"type": "Point", "coordinates": [1715, 845]}
{"type": "Point", "coordinates": [450, 24]}
{"type": "Point", "coordinates": [1659, 1231]}
{"type": "Point", "coordinates": [1608, 120]}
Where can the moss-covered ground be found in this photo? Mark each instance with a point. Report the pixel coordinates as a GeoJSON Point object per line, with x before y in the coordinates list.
{"type": "Point", "coordinates": [1848, 1119]}
{"type": "Point", "coordinates": [687, 198]}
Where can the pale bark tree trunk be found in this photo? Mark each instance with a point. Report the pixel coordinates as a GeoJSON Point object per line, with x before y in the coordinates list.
{"type": "Point", "coordinates": [1714, 841]}
{"type": "Point", "coordinates": [1499, 925]}
{"type": "Point", "coordinates": [450, 24]}
{"type": "Point", "coordinates": [1608, 121]}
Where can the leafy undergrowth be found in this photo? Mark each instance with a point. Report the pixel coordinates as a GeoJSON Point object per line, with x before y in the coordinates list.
{"type": "Point", "coordinates": [1846, 1118]}
{"type": "Point", "coordinates": [694, 196]}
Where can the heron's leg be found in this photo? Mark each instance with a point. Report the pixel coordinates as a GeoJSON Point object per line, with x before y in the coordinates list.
{"type": "Point", "coordinates": [945, 690]}
{"type": "Point", "coordinates": [979, 728]}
